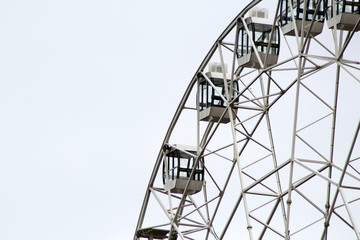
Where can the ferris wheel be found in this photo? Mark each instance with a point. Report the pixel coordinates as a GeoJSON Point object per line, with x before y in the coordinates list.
{"type": "Point", "coordinates": [265, 143]}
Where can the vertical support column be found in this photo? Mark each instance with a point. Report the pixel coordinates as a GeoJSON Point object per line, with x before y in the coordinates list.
{"type": "Point", "coordinates": [293, 147]}
{"type": "Point", "coordinates": [236, 158]}
{"type": "Point", "coordinates": [332, 146]}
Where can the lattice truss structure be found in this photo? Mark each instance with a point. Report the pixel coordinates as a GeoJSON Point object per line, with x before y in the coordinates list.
{"type": "Point", "coordinates": [286, 165]}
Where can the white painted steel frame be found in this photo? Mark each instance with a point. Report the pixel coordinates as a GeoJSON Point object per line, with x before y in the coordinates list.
{"type": "Point", "coordinates": [254, 111]}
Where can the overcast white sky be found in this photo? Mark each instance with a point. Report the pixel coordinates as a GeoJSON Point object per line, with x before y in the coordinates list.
{"type": "Point", "coordinates": [87, 91]}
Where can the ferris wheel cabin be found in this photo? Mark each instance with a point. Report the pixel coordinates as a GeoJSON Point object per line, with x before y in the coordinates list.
{"type": "Point", "coordinates": [178, 165]}
{"type": "Point", "coordinates": [313, 12]}
{"type": "Point", "coordinates": [152, 233]}
{"type": "Point", "coordinates": [343, 14]}
{"type": "Point", "coordinates": [212, 104]}
{"type": "Point", "coordinates": [256, 35]}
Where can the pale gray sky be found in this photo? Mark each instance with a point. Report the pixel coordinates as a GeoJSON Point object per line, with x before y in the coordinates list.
{"type": "Point", "coordinates": [87, 91]}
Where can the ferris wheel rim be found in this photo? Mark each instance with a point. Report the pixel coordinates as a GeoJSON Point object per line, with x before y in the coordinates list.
{"type": "Point", "coordinates": [186, 96]}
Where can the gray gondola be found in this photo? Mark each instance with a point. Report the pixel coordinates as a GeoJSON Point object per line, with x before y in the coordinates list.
{"type": "Point", "coordinates": [294, 9]}
{"type": "Point", "coordinates": [152, 233]}
{"type": "Point", "coordinates": [212, 107]}
{"type": "Point", "coordinates": [178, 164]}
{"type": "Point", "coordinates": [260, 30]}
{"type": "Point", "coordinates": [343, 14]}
